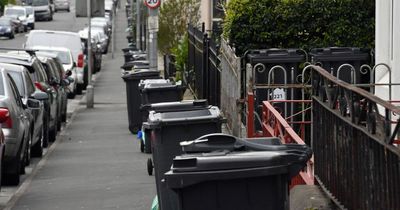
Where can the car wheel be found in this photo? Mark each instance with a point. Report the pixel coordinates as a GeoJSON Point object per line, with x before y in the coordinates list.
{"type": "Point", "coordinates": [28, 152]}
{"type": "Point", "coordinates": [33, 27]}
{"type": "Point", "coordinates": [71, 95]}
{"type": "Point", "coordinates": [64, 114]}
{"type": "Point", "coordinates": [53, 131]}
{"type": "Point", "coordinates": [11, 36]}
{"type": "Point", "coordinates": [51, 18]}
{"type": "Point", "coordinates": [68, 10]}
{"type": "Point", "coordinates": [14, 177]}
{"type": "Point", "coordinates": [59, 121]}
{"type": "Point", "coordinates": [45, 130]}
{"type": "Point", "coordinates": [79, 89]}
{"type": "Point", "coordinates": [37, 149]}
{"type": "Point", "coordinates": [25, 28]}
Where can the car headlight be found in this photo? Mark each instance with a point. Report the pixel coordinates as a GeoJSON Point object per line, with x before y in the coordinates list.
{"type": "Point", "coordinates": [8, 29]}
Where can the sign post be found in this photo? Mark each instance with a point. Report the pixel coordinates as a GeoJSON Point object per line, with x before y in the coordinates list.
{"type": "Point", "coordinates": [152, 23]}
{"type": "Point", "coordinates": [89, 88]}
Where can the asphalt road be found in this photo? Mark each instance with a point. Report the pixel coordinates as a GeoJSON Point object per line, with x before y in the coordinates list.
{"type": "Point", "coordinates": [95, 162]}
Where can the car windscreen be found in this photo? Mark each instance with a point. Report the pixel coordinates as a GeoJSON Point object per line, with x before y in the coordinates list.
{"type": "Point", "coordinates": [40, 2]}
{"type": "Point", "coordinates": [52, 39]}
{"type": "Point", "coordinates": [64, 57]}
{"type": "Point", "coordinates": [12, 11]}
{"type": "Point", "coordinates": [5, 22]}
{"type": "Point", "coordinates": [17, 77]}
{"type": "Point", "coordinates": [29, 11]}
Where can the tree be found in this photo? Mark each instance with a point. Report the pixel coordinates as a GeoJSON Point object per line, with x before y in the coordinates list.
{"type": "Point", "coordinates": [175, 15]}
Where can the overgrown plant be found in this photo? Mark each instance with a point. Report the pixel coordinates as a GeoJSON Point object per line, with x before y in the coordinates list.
{"type": "Point", "coordinates": [181, 56]}
{"type": "Point", "coordinates": [175, 15]}
{"type": "Point", "coordinates": [299, 23]}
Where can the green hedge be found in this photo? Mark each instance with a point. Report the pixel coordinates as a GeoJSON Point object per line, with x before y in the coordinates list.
{"type": "Point", "coordinates": [303, 24]}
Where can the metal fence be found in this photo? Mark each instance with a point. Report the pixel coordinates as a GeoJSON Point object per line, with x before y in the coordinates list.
{"type": "Point", "coordinates": [203, 72]}
{"type": "Point", "coordinates": [356, 159]}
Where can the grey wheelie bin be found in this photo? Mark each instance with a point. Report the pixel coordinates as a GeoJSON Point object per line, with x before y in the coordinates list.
{"type": "Point", "coordinates": [163, 107]}
{"type": "Point", "coordinates": [132, 79]}
{"type": "Point", "coordinates": [157, 91]}
{"type": "Point", "coordinates": [224, 173]}
{"type": "Point", "coordinates": [168, 129]}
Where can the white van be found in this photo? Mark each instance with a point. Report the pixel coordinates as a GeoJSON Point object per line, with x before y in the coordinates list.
{"type": "Point", "coordinates": [69, 40]}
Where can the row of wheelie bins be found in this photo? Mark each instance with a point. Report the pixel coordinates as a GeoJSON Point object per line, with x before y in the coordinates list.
{"type": "Point", "coordinates": [195, 165]}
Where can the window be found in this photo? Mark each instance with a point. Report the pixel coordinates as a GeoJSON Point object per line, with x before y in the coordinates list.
{"type": "Point", "coordinates": [1, 85]}
{"type": "Point", "coordinates": [14, 91]}
{"type": "Point", "coordinates": [17, 77]}
{"type": "Point", "coordinates": [30, 87]}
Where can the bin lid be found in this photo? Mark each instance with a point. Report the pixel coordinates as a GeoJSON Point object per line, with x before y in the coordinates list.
{"type": "Point", "coordinates": [221, 141]}
{"type": "Point", "coordinates": [275, 55]}
{"type": "Point", "coordinates": [145, 82]}
{"type": "Point", "coordinates": [225, 160]}
{"type": "Point", "coordinates": [160, 87]}
{"type": "Point", "coordinates": [339, 54]}
{"type": "Point", "coordinates": [139, 74]}
{"type": "Point", "coordinates": [184, 117]}
{"type": "Point", "coordinates": [178, 105]}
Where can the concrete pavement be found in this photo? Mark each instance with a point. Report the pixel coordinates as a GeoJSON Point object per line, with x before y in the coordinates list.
{"type": "Point", "coordinates": [97, 163]}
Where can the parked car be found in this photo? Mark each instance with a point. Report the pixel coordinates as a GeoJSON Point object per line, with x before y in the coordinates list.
{"type": "Point", "coordinates": [15, 127]}
{"type": "Point", "coordinates": [103, 25]}
{"type": "Point", "coordinates": [39, 77]}
{"type": "Point", "coordinates": [2, 146]}
{"type": "Point", "coordinates": [54, 83]}
{"type": "Point", "coordinates": [66, 58]}
{"type": "Point", "coordinates": [31, 17]}
{"type": "Point", "coordinates": [43, 9]}
{"type": "Point", "coordinates": [96, 49]}
{"type": "Point", "coordinates": [104, 40]}
{"type": "Point", "coordinates": [7, 28]}
{"type": "Point", "coordinates": [102, 20]}
{"type": "Point", "coordinates": [62, 5]}
{"type": "Point", "coordinates": [16, 21]}
{"type": "Point", "coordinates": [55, 74]}
{"type": "Point", "coordinates": [19, 13]}
{"type": "Point", "coordinates": [69, 40]}
{"type": "Point", "coordinates": [27, 90]}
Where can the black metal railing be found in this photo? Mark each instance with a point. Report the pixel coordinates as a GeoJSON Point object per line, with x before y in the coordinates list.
{"type": "Point", "coordinates": [356, 160]}
{"type": "Point", "coordinates": [203, 72]}
{"type": "Point", "coordinates": [169, 66]}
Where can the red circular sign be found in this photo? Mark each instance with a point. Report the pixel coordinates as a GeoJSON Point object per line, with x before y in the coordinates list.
{"type": "Point", "coordinates": [152, 4]}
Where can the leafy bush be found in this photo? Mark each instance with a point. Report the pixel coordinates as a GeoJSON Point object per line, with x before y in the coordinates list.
{"type": "Point", "coordinates": [299, 23]}
{"type": "Point", "coordinates": [181, 52]}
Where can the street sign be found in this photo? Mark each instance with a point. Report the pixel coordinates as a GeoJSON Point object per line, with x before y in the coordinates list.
{"type": "Point", "coordinates": [152, 4]}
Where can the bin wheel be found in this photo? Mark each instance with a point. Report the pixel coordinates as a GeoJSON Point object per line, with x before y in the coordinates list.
{"type": "Point", "coordinates": [150, 167]}
{"type": "Point", "coordinates": [141, 146]}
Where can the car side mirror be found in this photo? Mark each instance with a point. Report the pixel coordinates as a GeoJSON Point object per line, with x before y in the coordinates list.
{"type": "Point", "coordinates": [68, 72]}
{"type": "Point", "coordinates": [39, 95]}
{"type": "Point", "coordinates": [65, 82]}
{"type": "Point", "coordinates": [27, 15]}
{"type": "Point", "coordinates": [33, 103]}
{"type": "Point", "coordinates": [74, 64]}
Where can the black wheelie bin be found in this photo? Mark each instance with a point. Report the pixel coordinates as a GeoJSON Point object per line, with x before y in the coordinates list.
{"type": "Point", "coordinates": [163, 107]}
{"type": "Point", "coordinates": [132, 79]}
{"type": "Point", "coordinates": [167, 130]}
{"type": "Point", "coordinates": [221, 172]}
{"type": "Point", "coordinates": [157, 91]}
{"type": "Point", "coordinates": [332, 58]}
